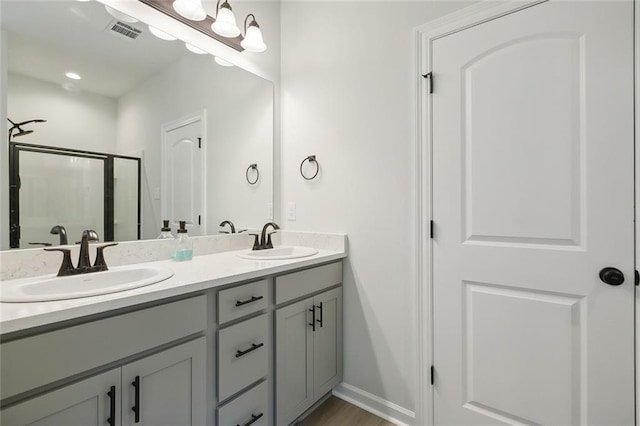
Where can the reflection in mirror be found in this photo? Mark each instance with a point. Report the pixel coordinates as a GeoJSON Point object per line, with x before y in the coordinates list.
{"type": "Point", "coordinates": [179, 130]}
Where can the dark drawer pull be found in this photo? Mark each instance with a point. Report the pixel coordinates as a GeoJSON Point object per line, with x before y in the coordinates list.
{"type": "Point", "coordinates": [313, 318]}
{"type": "Point", "coordinates": [253, 299]}
{"type": "Point", "coordinates": [254, 418]}
{"type": "Point", "coordinates": [251, 349]}
{"type": "Point", "coordinates": [320, 308]}
{"type": "Point", "coordinates": [112, 406]}
{"type": "Point", "coordinates": [136, 406]}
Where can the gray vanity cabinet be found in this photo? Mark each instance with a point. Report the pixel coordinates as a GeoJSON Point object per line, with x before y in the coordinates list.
{"type": "Point", "coordinates": [84, 403]}
{"type": "Point", "coordinates": [308, 342]}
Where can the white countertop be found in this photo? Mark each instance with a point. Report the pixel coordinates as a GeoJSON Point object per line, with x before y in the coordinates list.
{"type": "Point", "coordinates": [201, 273]}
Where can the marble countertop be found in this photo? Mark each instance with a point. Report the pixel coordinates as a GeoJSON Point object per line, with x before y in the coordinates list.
{"type": "Point", "coordinates": [201, 273]}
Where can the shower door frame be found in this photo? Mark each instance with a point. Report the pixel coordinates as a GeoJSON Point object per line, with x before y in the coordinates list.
{"type": "Point", "coordinates": [109, 191]}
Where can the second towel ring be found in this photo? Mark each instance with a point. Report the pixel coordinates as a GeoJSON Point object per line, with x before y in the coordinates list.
{"type": "Point", "coordinates": [254, 167]}
{"type": "Point", "coordinates": [310, 159]}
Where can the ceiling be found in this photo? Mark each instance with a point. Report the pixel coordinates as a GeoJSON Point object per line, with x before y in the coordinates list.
{"type": "Point", "coordinates": [46, 39]}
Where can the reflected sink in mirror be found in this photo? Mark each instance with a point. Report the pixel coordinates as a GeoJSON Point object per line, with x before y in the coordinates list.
{"type": "Point", "coordinates": [278, 253]}
{"type": "Point", "coordinates": [49, 287]}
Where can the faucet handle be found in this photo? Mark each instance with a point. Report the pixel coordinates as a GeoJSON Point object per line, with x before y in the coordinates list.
{"type": "Point", "coordinates": [100, 263]}
{"type": "Point", "coordinates": [256, 242]}
{"type": "Point", "coordinates": [269, 244]}
{"type": "Point", "coordinates": [66, 268]}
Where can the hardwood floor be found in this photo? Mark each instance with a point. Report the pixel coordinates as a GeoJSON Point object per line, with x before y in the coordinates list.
{"type": "Point", "coordinates": [336, 412]}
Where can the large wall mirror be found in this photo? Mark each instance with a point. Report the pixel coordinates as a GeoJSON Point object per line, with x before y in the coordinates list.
{"type": "Point", "coordinates": [145, 130]}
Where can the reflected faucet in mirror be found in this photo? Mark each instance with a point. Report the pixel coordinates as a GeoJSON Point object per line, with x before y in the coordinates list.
{"type": "Point", "coordinates": [60, 230]}
{"type": "Point", "coordinates": [84, 262]}
{"type": "Point", "coordinates": [231, 226]}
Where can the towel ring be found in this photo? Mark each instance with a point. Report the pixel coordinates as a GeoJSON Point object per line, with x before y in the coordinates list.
{"type": "Point", "coordinates": [310, 159]}
{"type": "Point", "coordinates": [252, 167]}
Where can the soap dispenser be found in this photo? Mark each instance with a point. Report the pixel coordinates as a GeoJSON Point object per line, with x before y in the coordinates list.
{"type": "Point", "coordinates": [165, 232]}
{"type": "Point", "coordinates": [184, 247]}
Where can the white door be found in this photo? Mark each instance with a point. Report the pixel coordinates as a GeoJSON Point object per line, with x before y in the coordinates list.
{"type": "Point", "coordinates": [183, 177]}
{"type": "Point", "coordinates": [532, 198]}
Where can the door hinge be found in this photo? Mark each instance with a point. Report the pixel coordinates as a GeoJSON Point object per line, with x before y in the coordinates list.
{"type": "Point", "coordinates": [200, 143]}
{"type": "Point", "coordinates": [431, 229]}
{"type": "Point", "coordinates": [199, 220]}
{"type": "Point", "coordinates": [429, 76]}
{"type": "Point", "coordinates": [432, 375]}
{"type": "Point", "coordinates": [637, 277]}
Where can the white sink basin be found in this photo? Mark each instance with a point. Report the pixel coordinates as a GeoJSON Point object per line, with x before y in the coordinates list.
{"type": "Point", "coordinates": [51, 287]}
{"type": "Point", "coordinates": [278, 253]}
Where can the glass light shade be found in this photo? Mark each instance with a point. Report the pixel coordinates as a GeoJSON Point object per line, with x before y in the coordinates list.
{"type": "Point", "coordinates": [222, 62]}
{"type": "Point", "coordinates": [225, 24]}
{"type": "Point", "coordinates": [161, 34]}
{"type": "Point", "coordinates": [123, 17]}
{"type": "Point", "coordinates": [195, 49]}
{"type": "Point", "coordinates": [253, 39]}
{"type": "Point", "coordinates": [190, 9]}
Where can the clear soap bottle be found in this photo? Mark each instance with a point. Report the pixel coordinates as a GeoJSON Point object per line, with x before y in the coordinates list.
{"type": "Point", "coordinates": [184, 247]}
{"type": "Point", "coordinates": [165, 232]}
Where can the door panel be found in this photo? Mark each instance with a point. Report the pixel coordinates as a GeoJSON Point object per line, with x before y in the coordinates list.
{"type": "Point", "coordinates": [532, 197]}
{"type": "Point", "coordinates": [327, 342]}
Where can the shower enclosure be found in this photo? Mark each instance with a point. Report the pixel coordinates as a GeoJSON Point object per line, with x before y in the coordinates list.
{"type": "Point", "coordinates": [75, 189]}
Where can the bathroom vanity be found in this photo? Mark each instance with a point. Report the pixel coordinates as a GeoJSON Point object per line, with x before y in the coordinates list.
{"type": "Point", "coordinates": [225, 341]}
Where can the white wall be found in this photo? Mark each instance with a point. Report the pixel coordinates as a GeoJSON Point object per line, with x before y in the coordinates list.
{"type": "Point", "coordinates": [239, 124]}
{"type": "Point", "coordinates": [93, 117]}
{"type": "Point", "coordinates": [348, 96]}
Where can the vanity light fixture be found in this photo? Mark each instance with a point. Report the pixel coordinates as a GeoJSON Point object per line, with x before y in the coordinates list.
{"type": "Point", "coordinates": [195, 49]}
{"type": "Point", "coordinates": [253, 41]}
{"type": "Point", "coordinates": [73, 76]}
{"type": "Point", "coordinates": [190, 9]}
{"type": "Point", "coordinates": [161, 34]}
{"type": "Point", "coordinates": [120, 16]}
{"type": "Point", "coordinates": [225, 21]}
{"type": "Point", "coordinates": [222, 62]}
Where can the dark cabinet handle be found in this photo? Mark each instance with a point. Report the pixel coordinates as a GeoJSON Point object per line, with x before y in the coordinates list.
{"type": "Point", "coordinates": [112, 406]}
{"type": "Point", "coordinates": [320, 320]}
{"type": "Point", "coordinates": [136, 404]}
{"type": "Point", "coordinates": [313, 318]}
{"type": "Point", "coordinates": [253, 299]}
{"type": "Point", "coordinates": [251, 349]}
{"type": "Point", "coordinates": [254, 418]}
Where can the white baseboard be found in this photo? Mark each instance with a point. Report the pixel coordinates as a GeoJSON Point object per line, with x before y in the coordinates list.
{"type": "Point", "coordinates": [375, 405]}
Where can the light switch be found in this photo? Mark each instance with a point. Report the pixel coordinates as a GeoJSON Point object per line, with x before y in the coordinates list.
{"type": "Point", "coordinates": [291, 212]}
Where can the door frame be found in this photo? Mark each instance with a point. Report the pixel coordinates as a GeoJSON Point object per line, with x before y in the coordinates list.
{"type": "Point", "coordinates": [201, 116]}
{"type": "Point", "coordinates": [424, 36]}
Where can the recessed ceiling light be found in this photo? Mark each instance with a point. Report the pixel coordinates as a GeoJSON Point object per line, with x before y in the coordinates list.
{"type": "Point", "coordinates": [161, 34]}
{"type": "Point", "coordinates": [222, 62]}
{"type": "Point", "coordinates": [120, 16]}
{"type": "Point", "coordinates": [73, 76]}
{"type": "Point", "coordinates": [195, 49]}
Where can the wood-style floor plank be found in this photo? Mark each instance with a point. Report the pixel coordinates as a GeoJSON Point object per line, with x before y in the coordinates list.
{"type": "Point", "coordinates": [336, 412]}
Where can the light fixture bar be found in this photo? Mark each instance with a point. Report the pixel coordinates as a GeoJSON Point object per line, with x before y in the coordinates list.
{"type": "Point", "coordinates": [166, 7]}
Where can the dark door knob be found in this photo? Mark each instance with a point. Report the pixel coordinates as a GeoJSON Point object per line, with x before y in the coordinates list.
{"type": "Point", "coordinates": [612, 276]}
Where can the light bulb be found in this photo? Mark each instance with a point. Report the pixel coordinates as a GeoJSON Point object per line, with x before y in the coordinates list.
{"type": "Point", "coordinates": [190, 9]}
{"type": "Point", "coordinates": [225, 24]}
{"type": "Point", "coordinates": [73, 75]}
{"type": "Point", "coordinates": [252, 41]}
{"type": "Point", "coordinates": [222, 62]}
{"type": "Point", "coordinates": [161, 34]}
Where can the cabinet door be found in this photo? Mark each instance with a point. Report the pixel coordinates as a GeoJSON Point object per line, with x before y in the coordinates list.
{"type": "Point", "coordinates": [84, 403]}
{"type": "Point", "coordinates": [168, 388]}
{"type": "Point", "coordinates": [294, 361]}
{"type": "Point", "coordinates": [327, 342]}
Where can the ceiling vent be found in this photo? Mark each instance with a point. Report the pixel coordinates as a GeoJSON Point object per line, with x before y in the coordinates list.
{"type": "Point", "coordinates": [123, 30]}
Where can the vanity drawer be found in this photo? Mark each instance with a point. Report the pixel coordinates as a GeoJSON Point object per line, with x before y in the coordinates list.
{"type": "Point", "coordinates": [299, 284]}
{"type": "Point", "coordinates": [45, 358]}
{"type": "Point", "coordinates": [243, 352]}
{"type": "Point", "coordinates": [251, 405]}
{"type": "Point", "coordinates": [237, 302]}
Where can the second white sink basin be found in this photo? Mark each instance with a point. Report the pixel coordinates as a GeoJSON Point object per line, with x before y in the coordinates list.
{"type": "Point", "coordinates": [51, 287]}
{"type": "Point", "coordinates": [279, 253]}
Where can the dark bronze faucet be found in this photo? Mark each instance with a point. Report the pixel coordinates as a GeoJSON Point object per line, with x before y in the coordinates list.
{"type": "Point", "coordinates": [84, 262]}
{"type": "Point", "coordinates": [231, 225]}
{"type": "Point", "coordinates": [264, 241]}
{"type": "Point", "coordinates": [59, 230]}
